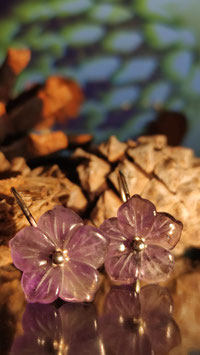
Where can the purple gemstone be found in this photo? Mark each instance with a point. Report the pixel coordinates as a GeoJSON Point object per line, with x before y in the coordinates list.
{"type": "Point", "coordinates": [59, 257]}
{"type": "Point", "coordinates": [139, 242]}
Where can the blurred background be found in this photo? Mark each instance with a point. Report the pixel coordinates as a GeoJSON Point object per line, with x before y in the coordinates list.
{"type": "Point", "coordinates": [137, 61]}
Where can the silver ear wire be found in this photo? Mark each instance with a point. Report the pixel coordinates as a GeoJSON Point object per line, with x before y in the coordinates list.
{"type": "Point", "coordinates": [125, 195]}
{"type": "Point", "coordinates": [23, 207]}
{"type": "Point", "coordinates": [123, 187]}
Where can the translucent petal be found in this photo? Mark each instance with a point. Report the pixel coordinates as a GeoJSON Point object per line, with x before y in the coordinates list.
{"type": "Point", "coordinates": [122, 268]}
{"type": "Point", "coordinates": [88, 245]}
{"type": "Point", "coordinates": [42, 285]}
{"type": "Point", "coordinates": [165, 232]}
{"type": "Point", "coordinates": [136, 217]}
{"type": "Point", "coordinates": [35, 316]}
{"type": "Point", "coordinates": [164, 334]}
{"type": "Point", "coordinates": [122, 301]}
{"type": "Point", "coordinates": [79, 282]}
{"type": "Point", "coordinates": [79, 329]}
{"type": "Point", "coordinates": [120, 336]}
{"type": "Point", "coordinates": [157, 307]}
{"type": "Point", "coordinates": [30, 249]}
{"type": "Point", "coordinates": [71, 329]}
{"type": "Point", "coordinates": [59, 224]}
{"type": "Point", "coordinates": [155, 300]}
{"type": "Point", "coordinates": [156, 264]}
{"type": "Point", "coordinates": [110, 228]}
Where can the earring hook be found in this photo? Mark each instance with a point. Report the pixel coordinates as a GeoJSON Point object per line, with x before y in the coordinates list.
{"type": "Point", "coordinates": [125, 195]}
{"type": "Point", "coordinates": [123, 186]}
{"type": "Point", "coordinates": [24, 207]}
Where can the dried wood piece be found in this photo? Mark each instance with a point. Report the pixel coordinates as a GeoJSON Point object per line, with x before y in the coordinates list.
{"type": "Point", "coordinates": [5, 256]}
{"type": "Point", "coordinates": [172, 174]}
{"type": "Point", "coordinates": [44, 144]}
{"type": "Point", "coordinates": [15, 62]}
{"type": "Point", "coordinates": [113, 149]}
{"type": "Point", "coordinates": [4, 163]}
{"type": "Point", "coordinates": [189, 192]}
{"type": "Point", "coordinates": [146, 156]}
{"type": "Point", "coordinates": [136, 179]}
{"type": "Point", "coordinates": [157, 192]}
{"type": "Point", "coordinates": [40, 193]}
{"type": "Point", "coordinates": [36, 145]}
{"type": "Point", "coordinates": [57, 100]}
{"type": "Point", "coordinates": [61, 99]}
{"type": "Point", "coordinates": [12, 306]}
{"type": "Point", "coordinates": [53, 171]}
{"type": "Point", "coordinates": [106, 207]}
{"type": "Point", "coordinates": [131, 143]}
{"type": "Point", "coordinates": [19, 166]}
{"type": "Point", "coordinates": [181, 155]}
{"type": "Point", "coordinates": [2, 109]}
{"type": "Point", "coordinates": [80, 139]}
{"type": "Point", "coordinates": [159, 141]}
{"type": "Point", "coordinates": [71, 195]}
{"type": "Point", "coordinates": [92, 172]}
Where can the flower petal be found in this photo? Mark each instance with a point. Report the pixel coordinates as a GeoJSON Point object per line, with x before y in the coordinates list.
{"type": "Point", "coordinates": [110, 228]}
{"type": "Point", "coordinates": [155, 300]}
{"type": "Point", "coordinates": [136, 217]}
{"type": "Point", "coordinates": [164, 334]}
{"type": "Point", "coordinates": [157, 307]}
{"type": "Point", "coordinates": [79, 282]}
{"type": "Point", "coordinates": [165, 232]}
{"type": "Point", "coordinates": [79, 329]}
{"type": "Point", "coordinates": [122, 301]}
{"type": "Point", "coordinates": [30, 249]}
{"type": "Point", "coordinates": [59, 224]}
{"type": "Point", "coordinates": [120, 336]}
{"type": "Point", "coordinates": [87, 245]}
{"type": "Point", "coordinates": [35, 316]}
{"type": "Point", "coordinates": [156, 264]}
{"type": "Point", "coordinates": [42, 285]}
{"type": "Point", "coordinates": [122, 267]}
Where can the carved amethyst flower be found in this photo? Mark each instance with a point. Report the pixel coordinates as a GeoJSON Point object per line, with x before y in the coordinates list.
{"type": "Point", "coordinates": [140, 240]}
{"type": "Point", "coordinates": [59, 257]}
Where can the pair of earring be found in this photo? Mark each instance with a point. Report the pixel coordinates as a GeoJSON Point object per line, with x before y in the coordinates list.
{"type": "Point", "coordinates": [60, 256]}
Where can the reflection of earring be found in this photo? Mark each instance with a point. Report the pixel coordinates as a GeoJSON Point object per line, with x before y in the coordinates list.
{"type": "Point", "coordinates": [59, 256]}
{"type": "Point", "coordinates": [71, 329]}
{"type": "Point", "coordinates": [138, 323]}
{"type": "Point", "coordinates": [140, 240]}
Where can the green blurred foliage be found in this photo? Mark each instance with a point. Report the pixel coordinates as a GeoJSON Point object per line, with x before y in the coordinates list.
{"type": "Point", "coordinates": [129, 56]}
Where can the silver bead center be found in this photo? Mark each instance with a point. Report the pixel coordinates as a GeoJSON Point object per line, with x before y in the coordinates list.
{"type": "Point", "coordinates": [138, 244]}
{"type": "Point", "coordinates": [57, 257]}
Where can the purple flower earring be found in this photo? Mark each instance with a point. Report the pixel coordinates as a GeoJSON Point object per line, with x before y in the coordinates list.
{"type": "Point", "coordinates": [140, 240]}
{"type": "Point", "coordinates": [59, 256]}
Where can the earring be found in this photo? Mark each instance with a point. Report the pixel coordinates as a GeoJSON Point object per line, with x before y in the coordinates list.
{"type": "Point", "coordinates": [59, 256]}
{"type": "Point", "coordinates": [140, 240]}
